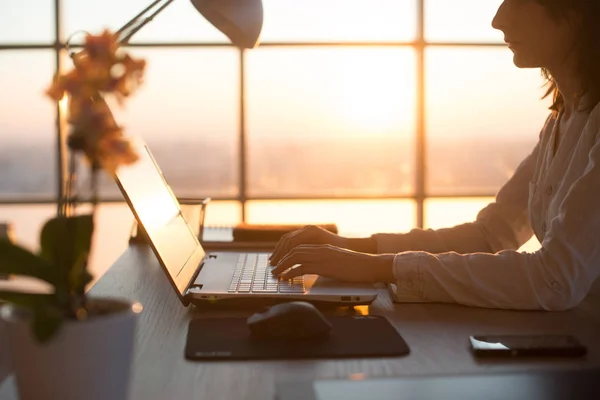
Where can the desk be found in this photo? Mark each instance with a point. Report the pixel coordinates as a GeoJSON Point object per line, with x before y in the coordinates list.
{"type": "Point", "coordinates": [436, 333]}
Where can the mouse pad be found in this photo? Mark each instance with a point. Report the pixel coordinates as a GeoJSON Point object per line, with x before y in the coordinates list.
{"type": "Point", "coordinates": [351, 336]}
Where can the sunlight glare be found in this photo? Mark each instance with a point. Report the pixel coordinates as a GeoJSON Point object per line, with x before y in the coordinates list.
{"type": "Point", "coordinates": [339, 20]}
{"type": "Point", "coordinates": [354, 218]}
{"type": "Point", "coordinates": [367, 103]}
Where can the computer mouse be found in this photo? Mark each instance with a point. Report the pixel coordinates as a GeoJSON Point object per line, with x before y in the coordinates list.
{"type": "Point", "coordinates": [291, 320]}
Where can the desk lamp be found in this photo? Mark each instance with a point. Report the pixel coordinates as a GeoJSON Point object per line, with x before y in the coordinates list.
{"type": "Point", "coordinates": [240, 20]}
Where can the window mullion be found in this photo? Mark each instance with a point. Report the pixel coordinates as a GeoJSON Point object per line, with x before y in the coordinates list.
{"type": "Point", "coordinates": [421, 166]}
{"type": "Point", "coordinates": [243, 171]}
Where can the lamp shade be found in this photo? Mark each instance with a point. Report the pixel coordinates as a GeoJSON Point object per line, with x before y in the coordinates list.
{"type": "Point", "coordinates": [240, 20]}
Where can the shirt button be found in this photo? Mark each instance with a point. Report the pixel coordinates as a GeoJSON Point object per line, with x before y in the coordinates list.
{"type": "Point", "coordinates": [549, 190]}
{"type": "Point", "coordinates": [409, 284]}
{"type": "Point", "coordinates": [555, 285]}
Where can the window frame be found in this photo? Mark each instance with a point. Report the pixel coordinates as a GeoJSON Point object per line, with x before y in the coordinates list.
{"type": "Point", "coordinates": [419, 44]}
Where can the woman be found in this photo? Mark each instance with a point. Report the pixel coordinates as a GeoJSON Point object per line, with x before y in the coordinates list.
{"type": "Point", "coordinates": [554, 194]}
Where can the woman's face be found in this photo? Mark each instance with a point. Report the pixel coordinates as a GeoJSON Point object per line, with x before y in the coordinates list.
{"type": "Point", "coordinates": [536, 38]}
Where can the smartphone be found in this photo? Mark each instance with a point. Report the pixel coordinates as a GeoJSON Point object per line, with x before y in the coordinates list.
{"type": "Point", "coordinates": [526, 345]}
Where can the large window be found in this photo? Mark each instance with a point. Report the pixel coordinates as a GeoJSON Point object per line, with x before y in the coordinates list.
{"type": "Point", "coordinates": [380, 115]}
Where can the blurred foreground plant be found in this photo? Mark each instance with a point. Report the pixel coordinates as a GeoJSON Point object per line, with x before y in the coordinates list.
{"type": "Point", "coordinates": [100, 71]}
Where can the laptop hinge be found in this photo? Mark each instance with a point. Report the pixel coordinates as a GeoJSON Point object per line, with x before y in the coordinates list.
{"type": "Point", "coordinates": [192, 285]}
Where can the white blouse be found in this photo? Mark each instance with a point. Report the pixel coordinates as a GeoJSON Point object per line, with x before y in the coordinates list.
{"type": "Point", "coordinates": [554, 195]}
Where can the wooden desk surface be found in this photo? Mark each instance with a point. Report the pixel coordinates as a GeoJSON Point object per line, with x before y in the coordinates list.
{"type": "Point", "coordinates": [436, 333]}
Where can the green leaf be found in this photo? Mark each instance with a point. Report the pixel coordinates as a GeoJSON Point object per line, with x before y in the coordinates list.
{"type": "Point", "coordinates": [46, 324]}
{"type": "Point", "coordinates": [28, 300]}
{"type": "Point", "coordinates": [64, 241]}
{"type": "Point", "coordinates": [15, 260]}
{"type": "Point", "coordinates": [79, 277]}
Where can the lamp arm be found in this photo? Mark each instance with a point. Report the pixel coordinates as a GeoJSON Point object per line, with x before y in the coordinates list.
{"type": "Point", "coordinates": [137, 17]}
{"type": "Point", "coordinates": [124, 34]}
{"type": "Point", "coordinates": [127, 34]}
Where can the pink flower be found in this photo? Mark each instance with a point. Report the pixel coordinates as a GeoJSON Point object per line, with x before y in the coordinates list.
{"type": "Point", "coordinates": [102, 48]}
{"type": "Point", "coordinates": [100, 70]}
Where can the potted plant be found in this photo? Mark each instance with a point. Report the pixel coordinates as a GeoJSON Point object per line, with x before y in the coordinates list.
{"type": "Point", "coordinates": [65, 345]}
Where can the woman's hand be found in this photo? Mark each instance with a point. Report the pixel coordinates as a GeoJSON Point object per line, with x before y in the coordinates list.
{"type": "Point", "coordinates": [310, 234]}
{"type": "Point", "coordinates": [336, 263]}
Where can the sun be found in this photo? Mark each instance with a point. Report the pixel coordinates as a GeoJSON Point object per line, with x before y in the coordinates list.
{"type": "Point", "coordinates": [377, 100]}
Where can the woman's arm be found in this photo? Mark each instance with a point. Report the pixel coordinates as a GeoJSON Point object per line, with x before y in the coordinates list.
{"type": "Point", "coordinates": [556, 277]}
{"type": "Point", "coordinates": [503, 224]}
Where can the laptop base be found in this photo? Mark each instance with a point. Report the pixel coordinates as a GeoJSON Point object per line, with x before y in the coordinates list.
{"type": "Point", "coordinates": [260, 302]}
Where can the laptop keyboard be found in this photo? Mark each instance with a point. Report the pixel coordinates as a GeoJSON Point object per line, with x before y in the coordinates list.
{"type": "Point", "coordinates": [253, 275]}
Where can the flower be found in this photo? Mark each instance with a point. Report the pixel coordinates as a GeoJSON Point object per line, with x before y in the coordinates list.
{"type": "Point", "coordinates": [102, 69]}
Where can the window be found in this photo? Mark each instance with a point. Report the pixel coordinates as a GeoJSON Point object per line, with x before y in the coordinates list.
{"type": "Point", "coordinates": [27, 21]}
{"type": "Point", "coordinates": [339, 20]}
{"type": "Point", "coordinates": [330, 122]}
{"type": "Point", "coordinates": [483, 118]}
{"type": "Point", "coordinates": [27, 144]}
{"type": "Point", "coordinates": [188, 113]}
{"type": "Point", "coordinates": [461, 21]}
{"type": "Point", "coordinates": [353, 218]}
{"type": "Point", "coordinates": [179, 22]}
{"type": "Point", "coordinates": [319, 123]}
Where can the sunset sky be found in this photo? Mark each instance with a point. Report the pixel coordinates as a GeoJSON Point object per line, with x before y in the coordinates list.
{"type": "Point", "coordinates": [306, 91]}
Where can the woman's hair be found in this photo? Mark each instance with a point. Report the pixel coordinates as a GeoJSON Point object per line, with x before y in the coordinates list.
{"type": "Point", "coordinates": [587, 41]}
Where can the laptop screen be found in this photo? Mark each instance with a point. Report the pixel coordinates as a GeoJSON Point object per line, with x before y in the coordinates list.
{"type": "Point", "coordinates": [158, 211]}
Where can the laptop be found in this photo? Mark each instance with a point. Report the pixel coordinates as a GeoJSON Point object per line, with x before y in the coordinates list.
{"type": "Point", "coordinates": [226, 277]}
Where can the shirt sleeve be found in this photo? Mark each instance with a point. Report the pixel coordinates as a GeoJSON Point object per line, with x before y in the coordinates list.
{"type": "Point", "coordinates": [501, 225]}
{"type": "Point", "coordinates": [556, 277]}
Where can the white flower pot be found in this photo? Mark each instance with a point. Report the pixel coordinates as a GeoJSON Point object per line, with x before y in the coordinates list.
{"type": "Point", "coordinates": [88, 360]}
